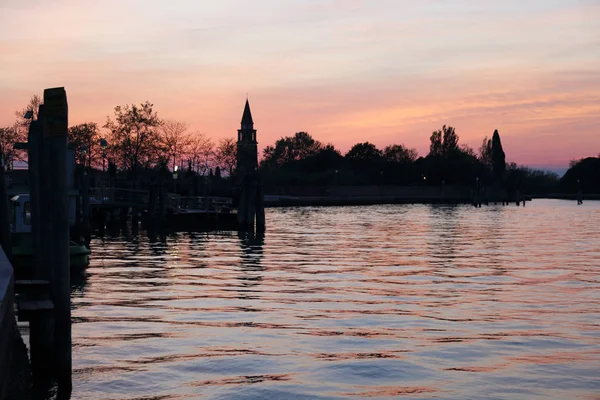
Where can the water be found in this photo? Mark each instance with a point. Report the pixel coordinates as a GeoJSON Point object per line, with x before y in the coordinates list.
{"type": "Point", "coordinates": [349, 302]}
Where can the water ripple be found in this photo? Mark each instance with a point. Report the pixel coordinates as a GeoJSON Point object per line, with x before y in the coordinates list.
{"type": "Point", "coordinates": [344, 302]}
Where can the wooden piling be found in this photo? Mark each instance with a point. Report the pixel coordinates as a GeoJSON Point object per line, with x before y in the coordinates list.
{"type": "Point", "coordinates": [5, 240]}
{"type": "Point", "coordinates": [260, 209]}
{"type": "Point", "coordinates": [41, 331]}
{"type": "Point", "coordinates": [55, 148]}
{"type": "Point", "coordinates": [34, 148]}
{"type": "Point", "coordinates": [85, 202]}
{"type": "Point", "coordinates": [243, 208]}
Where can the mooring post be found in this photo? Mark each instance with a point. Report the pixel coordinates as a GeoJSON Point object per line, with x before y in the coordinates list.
{"type": "Point", "coordinates": [57, 203]}
{"type": "Point", "coordinates": [5, 240]}
{"type": "Point", "coordinates": [243, 206]}
{"type": "Point", "coordinates": [40, 328]}
{"type": "Point", "coordinates": [85, 201]}
{"type": "Point", "coordinates": [34, 148]}
{"type": "Point", "coordinates": [260, 208]}
{"type": "Point", "coordinates": [251, 205]}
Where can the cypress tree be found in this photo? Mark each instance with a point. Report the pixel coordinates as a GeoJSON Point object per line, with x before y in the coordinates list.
{"type": "Point", "coordinates": [498, 156]}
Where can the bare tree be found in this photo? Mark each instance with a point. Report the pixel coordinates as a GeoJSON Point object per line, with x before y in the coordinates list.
{"type": "Point", "coordinates": [175, 141]}
{"type": "Point", "coordinates": [201, 152]}
{"type": "Point", "coordinates": [135, 139]}
{"type": "Point", "coordinates": [87, 141]}
{"type": "Point", "coordinates": [226, 155]}
{"type": "Point", "coordinates": [8, 137]}
{"type": "Point", "coordinates": [21, 126]}
{"type": "Point", "coordinates": [22, 123]}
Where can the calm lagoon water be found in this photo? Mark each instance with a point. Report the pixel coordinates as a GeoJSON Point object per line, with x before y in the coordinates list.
{"type": "Point", "coordinates": [445, 302]}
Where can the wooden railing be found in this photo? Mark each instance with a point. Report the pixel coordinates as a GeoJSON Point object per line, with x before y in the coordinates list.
{"type": "Point", "coordinates": [201, 203]}
{"type": "Point", "coordinates": [119, 197]}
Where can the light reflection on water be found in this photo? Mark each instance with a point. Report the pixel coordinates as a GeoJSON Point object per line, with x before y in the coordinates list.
{"type": "Point", "coordinates": [349, 302]}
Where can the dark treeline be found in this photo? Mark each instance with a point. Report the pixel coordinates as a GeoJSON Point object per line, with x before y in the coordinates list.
{"type": "Point", "coordinates": [302, 160]}
{"type": "Point", "coordinates": [136, 144]}
{"type": "Point", "coordinates": [133, 145]}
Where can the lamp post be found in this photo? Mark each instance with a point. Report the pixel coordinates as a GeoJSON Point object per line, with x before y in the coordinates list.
{"type": "Point", "coordinates": [84, 188]}
{"type": "Point", "coordinates": [175, 176]}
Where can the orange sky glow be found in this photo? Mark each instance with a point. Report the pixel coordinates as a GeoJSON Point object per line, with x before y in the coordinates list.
{"type": "Point", "coordinates": [346, 71]}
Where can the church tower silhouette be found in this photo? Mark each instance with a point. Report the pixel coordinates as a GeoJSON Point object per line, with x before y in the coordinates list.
{"type": "Point", "coordinates": [247, 146]}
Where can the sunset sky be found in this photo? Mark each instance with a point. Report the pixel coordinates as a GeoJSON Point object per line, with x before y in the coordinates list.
{"type": "Point", "coordinates": [346, 71]}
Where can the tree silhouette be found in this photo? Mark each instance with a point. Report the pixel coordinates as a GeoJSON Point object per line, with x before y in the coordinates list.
{"type": "Point", "coordinates": [498, 157]}
{"type": "Point", "coordinates": [86, 134]}
{"type": "Point", "coordinates": [8, 137]}
{"type": "Point", "coordinates": [226, 155]}
{"type": "Point", "coordinates": [135, 141]}
{"type": "Point", "coordinates": [364, 153]}
{"type": "Point", "coordinates": [485, 152]}
{"type": "Point", "coordinates": [22, 123]}
{"type": "Point", "coordinates": [175, 141]}
{"type": "Point", "coordinates": [444, 142]}
{"type": "Point", "coordinates": [583, 174]}
{"type": "Point", "coordinates": [289, 149]}
{"type": "Point", "coordinates": [435, 146]}
{"type": "Point", "coordinates": [201, 152]}
{"type": "Point", "coordinates": [397, 153]}
{"type": "Point", "coordinates": [450, 144]}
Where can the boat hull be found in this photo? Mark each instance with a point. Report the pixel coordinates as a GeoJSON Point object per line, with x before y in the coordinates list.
{"type": "Point", "coordinates": [22, 252]}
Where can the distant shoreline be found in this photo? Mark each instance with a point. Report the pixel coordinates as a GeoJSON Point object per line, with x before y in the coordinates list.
{"type": "Point", "coordinates": [321, 201]}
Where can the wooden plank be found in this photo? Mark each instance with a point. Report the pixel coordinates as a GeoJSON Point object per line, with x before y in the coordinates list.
{"type": "Point", "coordinates": [35, 305]}
{"type": "Point", "coordinates": [31, 282]}
{"type": "Point", "coordinates": [33, 309]}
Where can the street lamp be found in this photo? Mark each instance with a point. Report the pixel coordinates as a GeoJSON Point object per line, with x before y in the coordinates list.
{"type": "Point", "coordinates": [175, 176]}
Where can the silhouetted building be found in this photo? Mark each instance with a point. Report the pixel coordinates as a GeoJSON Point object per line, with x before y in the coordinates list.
{"type": "Point", "coordinates": [247, 149]}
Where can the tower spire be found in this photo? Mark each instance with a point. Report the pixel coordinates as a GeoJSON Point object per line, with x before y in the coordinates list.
{"type": "Point", "coordinates": [247, 117]}
{"type": "Point", "coordinates": [247, 151]}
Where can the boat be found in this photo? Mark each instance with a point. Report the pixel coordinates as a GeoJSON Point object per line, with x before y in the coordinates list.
{"type": "Point", "coordinates": [22, 246]}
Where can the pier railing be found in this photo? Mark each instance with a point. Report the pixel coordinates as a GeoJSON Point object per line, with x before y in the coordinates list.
{"type": "Point", "coordinates": [201, 203]}
{"type": "Point", "coordinates": [119, 197]}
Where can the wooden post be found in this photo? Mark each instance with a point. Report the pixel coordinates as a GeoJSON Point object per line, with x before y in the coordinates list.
{"type": "Point", "coordinates": [40, 329]}
{"type": "Point", "coordinates": [243, 207]}
{"type": "Point", "coordinates": [5, 241]}
{"type": "Point", "coordinates": [34, 149]}
{"type": "Point", "coordinates": [85, 201]}
{"type": "Point", "coordinates": [260, 208]}
{"type": "Point", "coordinates": [251, 205]}
{"type": "Point", "coordinates": [56, 203]}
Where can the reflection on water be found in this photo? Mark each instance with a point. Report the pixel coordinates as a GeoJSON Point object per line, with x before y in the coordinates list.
{"type": "Point", "coordinates": [348, 302]}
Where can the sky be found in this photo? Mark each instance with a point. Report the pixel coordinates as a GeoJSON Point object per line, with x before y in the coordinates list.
{"type": "Point", "coordinates": [346, 71]}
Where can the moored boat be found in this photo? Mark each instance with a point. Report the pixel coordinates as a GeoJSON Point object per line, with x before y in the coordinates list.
{"type": "Point", "coordinates": [22, 244]}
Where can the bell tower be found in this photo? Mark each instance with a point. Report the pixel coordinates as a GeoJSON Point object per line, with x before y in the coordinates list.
{"type": "Point", "coordinates": [247, 146]}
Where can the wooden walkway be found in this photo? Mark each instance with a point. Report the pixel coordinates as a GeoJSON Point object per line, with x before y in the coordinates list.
{"type": "Point", "coordinates": [140, 199]}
